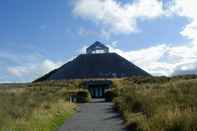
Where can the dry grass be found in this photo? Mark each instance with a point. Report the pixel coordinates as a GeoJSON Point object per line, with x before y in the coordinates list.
{"type": "Point", "coordinates": [36, 107]}
{"type": "Point", "coordinates": [157, 105]}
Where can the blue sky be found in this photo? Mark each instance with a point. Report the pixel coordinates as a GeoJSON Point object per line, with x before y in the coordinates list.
{"type": "Point", "coordinates": [38, 36]}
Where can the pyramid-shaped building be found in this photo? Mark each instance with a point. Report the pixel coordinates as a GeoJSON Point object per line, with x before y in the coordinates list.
{"type": "Point", "coordinates": [98, 62]}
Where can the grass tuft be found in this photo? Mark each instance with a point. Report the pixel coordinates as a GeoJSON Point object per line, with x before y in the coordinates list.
{"type": "Point", "coordinates": [36, 107]}
{"type": "Point", "coordinates": [158, 105]}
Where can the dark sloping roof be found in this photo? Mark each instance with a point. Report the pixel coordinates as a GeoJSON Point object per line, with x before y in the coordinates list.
{"type": "Point", "coordinates": [46, 76]}
{"type": "Point", "coordinates": [106, 65]}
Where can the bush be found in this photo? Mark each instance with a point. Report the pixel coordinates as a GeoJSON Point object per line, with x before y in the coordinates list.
{"type": "Point", "coordinates": [160, 106]}
{"type": "Point", "coordinates": [83, 96]}
{"type": "Point", "coordinates": [110, 95]}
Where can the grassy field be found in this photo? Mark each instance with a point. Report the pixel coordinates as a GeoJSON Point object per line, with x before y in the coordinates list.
{"type": "Point", "coordinates": [146, 104]}
{"type": "Point", "coordinates": [36, 107]}
{"type": "Point", "coordinates": [158, 104]}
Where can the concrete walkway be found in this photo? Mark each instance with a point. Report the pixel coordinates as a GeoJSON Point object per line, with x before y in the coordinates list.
{"type": "Point", "coordinates": [94, 116]}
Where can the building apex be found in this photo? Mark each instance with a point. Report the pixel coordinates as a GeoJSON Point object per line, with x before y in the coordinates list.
{"type": "Point", "coordinates": [97, 48]}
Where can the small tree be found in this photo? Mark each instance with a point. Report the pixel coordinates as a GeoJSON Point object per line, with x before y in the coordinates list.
{"type": "Point", "coordinates": [110, 95]}
{"type": "Point", "coordinates": [83, 96]}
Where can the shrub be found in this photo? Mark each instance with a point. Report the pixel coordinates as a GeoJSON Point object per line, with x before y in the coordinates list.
{"type": "Point", "coordinates": [110, 95]}
{"type": "Point", "coordinates": [83, 96]}
{"type": "Point", "coordinates": [158, 106]}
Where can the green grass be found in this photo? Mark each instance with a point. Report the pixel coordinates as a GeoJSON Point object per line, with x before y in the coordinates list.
{"type": "Point", "coordinates": [42, 119]}
{"type": "Point", "coordinates": [158, 105]}
{"type": "Point", "coordinates": [146, 104]}
{"type": "Point", "coordinates": [36, 107]}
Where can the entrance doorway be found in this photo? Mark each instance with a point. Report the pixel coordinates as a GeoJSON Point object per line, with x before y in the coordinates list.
{"type": "Point", "coordinates": [97, 89]}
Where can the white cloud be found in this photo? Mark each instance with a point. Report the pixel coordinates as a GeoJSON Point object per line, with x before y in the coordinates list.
{"type": "Point", "coordinates": [33, 71]}
{"type": "Point", "coordinates": [114, 44]}
{"type": "Point", "coordinates": [122, 18]}
{"type": "Point", "coordinates": [148, 59]}
{"type": "Point", "coordinates": [187, 8]}
{"type": "Point", "coordinates": [17, 71]}
{"type": "Point", "coordinates": [83, 49]}
{"type": "Point", "coordinates": [162, 59]}
{"type": "Point", "coordinates": [117, 17]}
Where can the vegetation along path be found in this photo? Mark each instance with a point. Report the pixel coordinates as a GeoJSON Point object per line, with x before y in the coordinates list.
{"type": "Point", "coordinates": [94, 116]}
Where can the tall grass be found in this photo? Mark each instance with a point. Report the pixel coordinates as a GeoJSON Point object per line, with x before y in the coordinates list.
{"type": "Point", "coordinates": [169, 105]}
{"type": "Point", "coordinates": [36, 107]}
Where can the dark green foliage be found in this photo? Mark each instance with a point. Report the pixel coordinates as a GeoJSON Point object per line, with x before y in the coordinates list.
{"type": "Point", "coordinates": [83, 96]}
{"type": "Point", "coordinates": [110, 95]}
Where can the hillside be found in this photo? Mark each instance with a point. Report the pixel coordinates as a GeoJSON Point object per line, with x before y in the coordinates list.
{"type": "Point", "coordinates": [158, 103]}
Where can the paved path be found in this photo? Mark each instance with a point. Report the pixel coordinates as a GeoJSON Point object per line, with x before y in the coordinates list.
{"type": "Point", "coordinates": [94, 116]}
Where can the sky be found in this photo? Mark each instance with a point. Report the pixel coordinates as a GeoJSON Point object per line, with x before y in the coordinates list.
{"type": "Point", "coordinates": [160, 36]}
